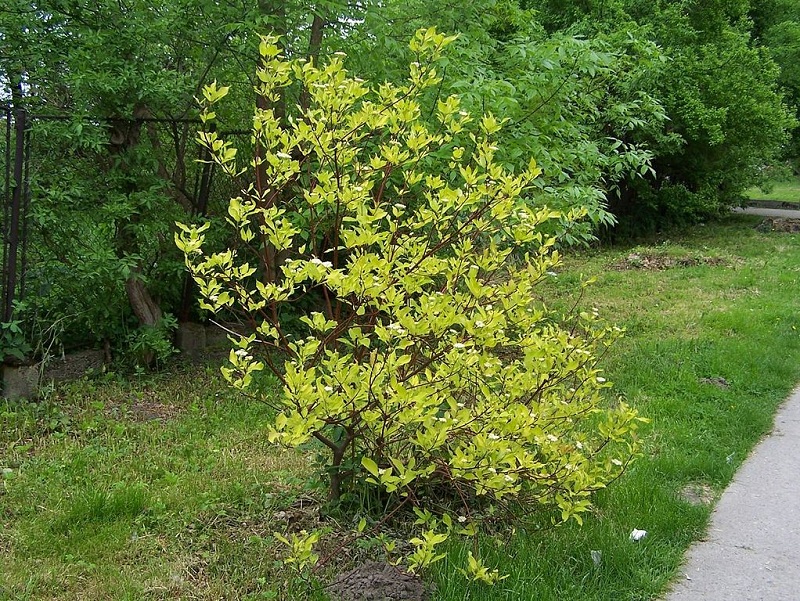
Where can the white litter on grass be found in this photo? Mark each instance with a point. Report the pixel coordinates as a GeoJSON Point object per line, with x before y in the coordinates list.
{"type": "Point", "coordinates": [597, 558]}
{"type": "Point", "coordinates": [637, 535]}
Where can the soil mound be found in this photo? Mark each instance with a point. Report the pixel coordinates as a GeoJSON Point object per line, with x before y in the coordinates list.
{"type": "Point", "coordinates": [779, 224]}
{"type": "Point", "coordinates": [375, 581]}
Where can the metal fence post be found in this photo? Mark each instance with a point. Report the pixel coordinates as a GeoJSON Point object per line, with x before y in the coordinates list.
{"type": "Point", "coordinates": [13, 233]}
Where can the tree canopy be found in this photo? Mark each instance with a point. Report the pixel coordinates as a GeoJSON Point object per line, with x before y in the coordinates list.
{"type": "Point", "coordinates": [640, 113]}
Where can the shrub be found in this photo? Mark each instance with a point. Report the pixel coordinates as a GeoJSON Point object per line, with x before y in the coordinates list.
{"type": "Point", "coordinates": [428, 369]}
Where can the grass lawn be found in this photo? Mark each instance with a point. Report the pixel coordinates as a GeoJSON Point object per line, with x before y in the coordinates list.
{"type": "Point", "coordinates": [164, 487]}
{"type": "Point", "coordinates": [712, 347]}
{"type": "Point", "coordinates": [783, 191]}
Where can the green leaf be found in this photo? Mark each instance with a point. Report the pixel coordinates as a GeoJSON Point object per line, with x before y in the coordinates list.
{"type": "Point", "coordinates": [370, 466]}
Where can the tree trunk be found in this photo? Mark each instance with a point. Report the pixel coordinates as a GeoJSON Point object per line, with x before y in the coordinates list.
{"type": "Point", "coordinates": [315, 40]}
{"type": "Point", "coordinates": [144, 306]}
{"type": "Point", "coordinates": [124, 137]}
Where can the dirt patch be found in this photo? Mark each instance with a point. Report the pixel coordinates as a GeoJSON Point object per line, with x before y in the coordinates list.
{"type": "Point", "coordinates": [659, 262]}
{"type": "Point", "coordinates": [375, 581]}
{"type": "Point", "coordinates": [145, 407]}
{"type": "Point", "coordinates": [74, 366]}
{"type": "Point", "coordinates": [773, 204]}
{"type": "Point", "coordinates": [716, 381]}
{"type": "Point", "coordinates": [779, 224]}
{"type": "Point", "coordinates": [302, 514]}
{"type": "Point", "coordinates": [145, 411]}
{"type": "Point", "coordinates": [697, 493]}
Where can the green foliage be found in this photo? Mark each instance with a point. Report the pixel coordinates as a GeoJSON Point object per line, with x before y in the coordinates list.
{"type": "Point", "coordinates": [428, 369]}
{"type": "Point", "coordinates": [13, 342]}
{"type": "Point", "coordinates": [578, 104]}
{"type": "Point", "coordinates": [152, 345]}
{"type": "Point", "coordinates": [97, 221]}
{"type": "Point", "coordinates": [301, 544]}
{"type": "Point", "coordinates": [647, 111]}
{"type": "Point", "coordinates": [31, 336]}
{"type": "Point", "coordinates": [777, 26]}
{"type": "Point", "coordinates": [722, 100]}
{"type": "Point", "coordinates": [726, 119]}
{"type": "Point", "coordinates": [102, 186]}
{"type": "Point", "coordinates": [117, 167]}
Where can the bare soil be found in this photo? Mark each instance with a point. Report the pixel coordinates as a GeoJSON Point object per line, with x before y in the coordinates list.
{"type": "Point", "coordinates": [779, 224]}
{"type": "Point", "coordinates": [697, 493]}
{"type": "Point", "coordinates": [716, 381]}
{"type": "Point", "coordinates": [375, 581]}
{"type": "Point", "coordinates": [659, 262]}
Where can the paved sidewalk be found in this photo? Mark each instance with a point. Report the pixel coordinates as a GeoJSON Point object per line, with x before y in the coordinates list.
{"type": "Point", "coordinates": [765, 212]}
{"type": "Point", "coordinates": [752, 550]}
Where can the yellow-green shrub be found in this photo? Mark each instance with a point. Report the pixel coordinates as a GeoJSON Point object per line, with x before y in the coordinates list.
{"type": "Point", "coordinates": [430, 368]}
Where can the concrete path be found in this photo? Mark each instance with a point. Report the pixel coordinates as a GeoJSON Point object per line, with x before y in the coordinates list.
{"type": "Point", "coordinates": [764, 212]}
{"type": "Point", "coordinates": [752, 550]}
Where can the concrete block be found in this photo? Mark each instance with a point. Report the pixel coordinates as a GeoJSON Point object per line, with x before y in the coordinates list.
{"type": "Point", "coordinates": [20, 382]}
{"type": "Point", "coordinates": [191, 338]}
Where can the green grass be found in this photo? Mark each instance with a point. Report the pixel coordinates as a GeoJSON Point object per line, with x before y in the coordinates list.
{"type": "Point", "coordinates": [782, 191]}
{"type": "Point", "coordinates": [735, 316]}
{"type": "Point", "coordinates": [97, 503]}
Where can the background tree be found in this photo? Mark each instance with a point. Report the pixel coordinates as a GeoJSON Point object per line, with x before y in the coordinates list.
{"type": "Point", "coordinates": [726, 118]}
{"type": "Point", "coordinates": [643, 111]}
{"type": "Point", "coordinates": [776, 24]}
{"type": "Point", "coordinates": [572, 102]}
{"type": "Point", "coordinates": [110, 178]}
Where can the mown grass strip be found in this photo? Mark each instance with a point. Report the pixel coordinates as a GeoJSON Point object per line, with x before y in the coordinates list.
{"type": "Point", "coordinates": [782, 191]}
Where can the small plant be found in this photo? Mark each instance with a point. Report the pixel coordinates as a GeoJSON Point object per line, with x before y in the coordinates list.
{"type": "Point", "coordinates": [152, 345]}
{"type": "Point", "coordinates": [14, 344]}
{"type": "Point", "coordinates": [429, 371]}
